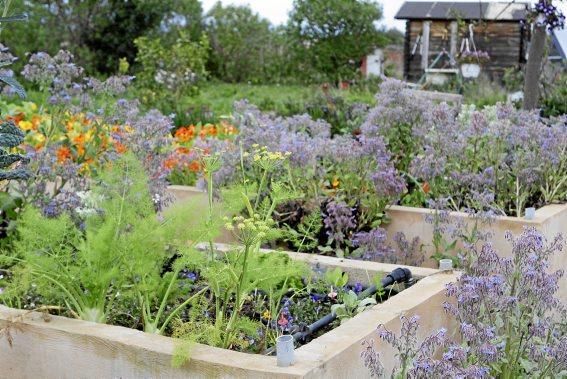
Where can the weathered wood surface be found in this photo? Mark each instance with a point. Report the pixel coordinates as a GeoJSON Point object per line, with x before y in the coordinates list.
{"type": "Point", "coordinates": [504, 42]}
{"type": "Point", "coordinates": [58, 347]}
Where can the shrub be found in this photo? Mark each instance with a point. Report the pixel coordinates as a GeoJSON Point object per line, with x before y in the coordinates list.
{"type": "Point", "coordinates": [170, 71]}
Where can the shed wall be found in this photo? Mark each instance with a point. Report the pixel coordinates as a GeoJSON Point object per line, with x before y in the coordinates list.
{"type": "Point", "coordinates": [504, 42]}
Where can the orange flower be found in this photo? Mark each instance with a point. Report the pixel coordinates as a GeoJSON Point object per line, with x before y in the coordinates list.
{"type": "Point", "coordinates": [194, 166]}
{"type": "Point", "coordinates": [120, 148]}
{"type": "Point", "coordinates": [79, 140]}
{"type": "Point", "coordinates": [81, 150]}
{"type": "Point", "coordinates": [36, 120]}
{"type": "Point", "coordinates": [211, 130]}
{"type": "Point", "coordinates": [69, 124]}
{"type": "Point", "coordinates": [425, 187]}
{"type": "Point", "coordinates": [185, 134]}
{"type": "Point", "coordinates": [182, 150]}
{"type": "Point", "coordinates": [16, 118]}
{"type": "Point", "coordinates": [170, 163]}
{"type": "Point", "coordinates": [63, 153]}
{"type": "Point", "coordinates": [229, 130]}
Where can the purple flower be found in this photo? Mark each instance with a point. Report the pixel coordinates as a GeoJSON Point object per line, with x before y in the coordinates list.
{"type": "Point", "coordinates": [339, 221]}
{"type": "Point", "coordinates": [373, 246]}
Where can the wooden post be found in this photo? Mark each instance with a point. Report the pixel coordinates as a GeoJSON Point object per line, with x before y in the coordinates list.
{"type": "Point", "coordinates": [454, 36]}
{"type": "Point", "coordinates": [425, 45]}
{"type": "Point", "coordinates": [534, 67]}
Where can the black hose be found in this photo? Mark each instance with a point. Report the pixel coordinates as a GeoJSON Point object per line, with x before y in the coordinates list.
{"type": "Point", "coordinates": [399, 275]}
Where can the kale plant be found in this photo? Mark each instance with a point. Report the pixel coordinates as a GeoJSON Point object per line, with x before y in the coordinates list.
{"type": "Point", "coordinates": [10, 137]}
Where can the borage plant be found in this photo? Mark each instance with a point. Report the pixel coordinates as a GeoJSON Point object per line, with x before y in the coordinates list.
{"type": "Point", "coordinates": [345, 182]}
{"type": "Point", "coordinates": [510, 324]}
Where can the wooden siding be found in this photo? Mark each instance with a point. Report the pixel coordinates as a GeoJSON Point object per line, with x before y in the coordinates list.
{"type": "Point", "coordinates": [504, 42]}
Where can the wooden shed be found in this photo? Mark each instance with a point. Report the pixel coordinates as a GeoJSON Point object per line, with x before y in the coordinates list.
{"type": "Point", "coordinates": [434, 27]}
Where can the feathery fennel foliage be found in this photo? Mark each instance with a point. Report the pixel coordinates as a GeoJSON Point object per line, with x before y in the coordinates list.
{"type": "Point", "coordinates": [243, 270]}
{"type": "Point", "coordinates": [120, 253]}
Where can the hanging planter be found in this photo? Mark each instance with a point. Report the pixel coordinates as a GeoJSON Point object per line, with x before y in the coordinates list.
{"type": "Point", "coordinates": [470, 70]}
{"type": "Point", "coordinates": [471, 62]}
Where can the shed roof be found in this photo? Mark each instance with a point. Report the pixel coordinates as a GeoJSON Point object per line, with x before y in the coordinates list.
{"type": "Point", "coordinates": [559, 38]}
{"type": "Point", "coordinates": [439, 10]}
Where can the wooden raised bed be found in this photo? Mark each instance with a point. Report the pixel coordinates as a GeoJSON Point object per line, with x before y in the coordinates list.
{"type": "Point", "coordinates": [549, 220]}
{"type": "Point", "coordinates": [58, 347]}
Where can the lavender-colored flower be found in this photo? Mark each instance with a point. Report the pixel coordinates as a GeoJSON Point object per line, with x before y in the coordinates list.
{"type": "Point", "coordinates": [373, 246]}
{"type": "Point", "coordinates": [339, 221]}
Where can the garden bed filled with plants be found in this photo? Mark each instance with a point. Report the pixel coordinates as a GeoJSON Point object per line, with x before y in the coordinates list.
{"type": "Point", "coordinates": [91, 229]}
{"type": "Point", "coordinates": [385, 192]}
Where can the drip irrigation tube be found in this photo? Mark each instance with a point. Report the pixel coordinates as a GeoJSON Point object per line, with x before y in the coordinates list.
{"type": "Point", "coordinates": [399, 275]}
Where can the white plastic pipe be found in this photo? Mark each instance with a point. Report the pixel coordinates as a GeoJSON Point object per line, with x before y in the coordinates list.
{"type": "Point", "coordinates": [445, 264]}
{"type": "Point", "coordinates": [530, 213]}
{"type": "Point", "coordinates": [285, 351]}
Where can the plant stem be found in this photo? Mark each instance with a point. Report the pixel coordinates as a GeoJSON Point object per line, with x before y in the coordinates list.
{"type": "Point", "coordinates": [237, 304]}
{"type": "Point", "coordinates": [260, 188]}
{"type": "Point", "coordinates": [179, 308]}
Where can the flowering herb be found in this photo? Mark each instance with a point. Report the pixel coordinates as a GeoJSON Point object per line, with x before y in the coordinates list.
{"type": "Point", "coordinates": [510, 322]}
{"type": "Point", "coordinates": [68, 143]}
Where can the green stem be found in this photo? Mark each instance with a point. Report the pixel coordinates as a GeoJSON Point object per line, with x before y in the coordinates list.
{"type": "Point", "coordinates": [210, 215]}
{"type": "Point", "coordinates": [179, 308]}
{"type": "Point", "coordinates": [260, 188]}
{"type": "Point", "coordinates": [166, 296]}
{"type": "Point", "coordinates": [237, 304]}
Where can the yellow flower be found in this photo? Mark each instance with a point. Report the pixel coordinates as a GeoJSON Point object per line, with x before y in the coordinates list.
{"type": "Point", "coordinates": [25, 125]}
{"type": "Point", "coordinates": [267, 315]}
{"type": "Point", "coordinates": [335, 182]}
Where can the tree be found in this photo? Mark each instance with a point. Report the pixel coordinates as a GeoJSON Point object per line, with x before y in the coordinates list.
{"type": "Point", "coordinates": [239, 41]}
{"type": "Point", "coordinates": [99, 33]}
{"type": "Point", "coordinates": [334, 35]}
{"type": "Point", "coordinates": [545, 17]}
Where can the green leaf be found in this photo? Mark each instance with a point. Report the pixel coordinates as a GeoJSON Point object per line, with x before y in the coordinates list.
{"type": "Point", "coordinates": [14, 18]}
{"type": "Point", "coordinates": [16, 86]}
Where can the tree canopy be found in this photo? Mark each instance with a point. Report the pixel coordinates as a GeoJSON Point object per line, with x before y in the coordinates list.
{"type": "Point", "coordinates": [334, 35]}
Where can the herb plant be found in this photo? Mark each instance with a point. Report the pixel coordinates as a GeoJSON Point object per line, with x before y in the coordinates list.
{"type": "Point", "coordinates": [119, 250]}
{"type": "Point", "coordinates": [510, 324]}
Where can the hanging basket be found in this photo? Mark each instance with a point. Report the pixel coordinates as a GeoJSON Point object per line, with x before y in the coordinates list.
{"type": "Point", "coordinates": [470, 70]}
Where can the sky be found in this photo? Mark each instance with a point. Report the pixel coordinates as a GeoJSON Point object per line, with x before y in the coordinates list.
{"type": "Point", "coordinates": [277, 10]}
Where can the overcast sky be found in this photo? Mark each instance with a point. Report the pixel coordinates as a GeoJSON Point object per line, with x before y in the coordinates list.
{"type": "Point", "coordinates": [277, 10]}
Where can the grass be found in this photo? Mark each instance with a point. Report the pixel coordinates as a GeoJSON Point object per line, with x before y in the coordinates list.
{"type": "Point", "coordinates": [215, 100]}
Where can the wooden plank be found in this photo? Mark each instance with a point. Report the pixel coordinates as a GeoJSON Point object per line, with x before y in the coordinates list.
{"type": "Point", "coordinates": [425, 46]}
